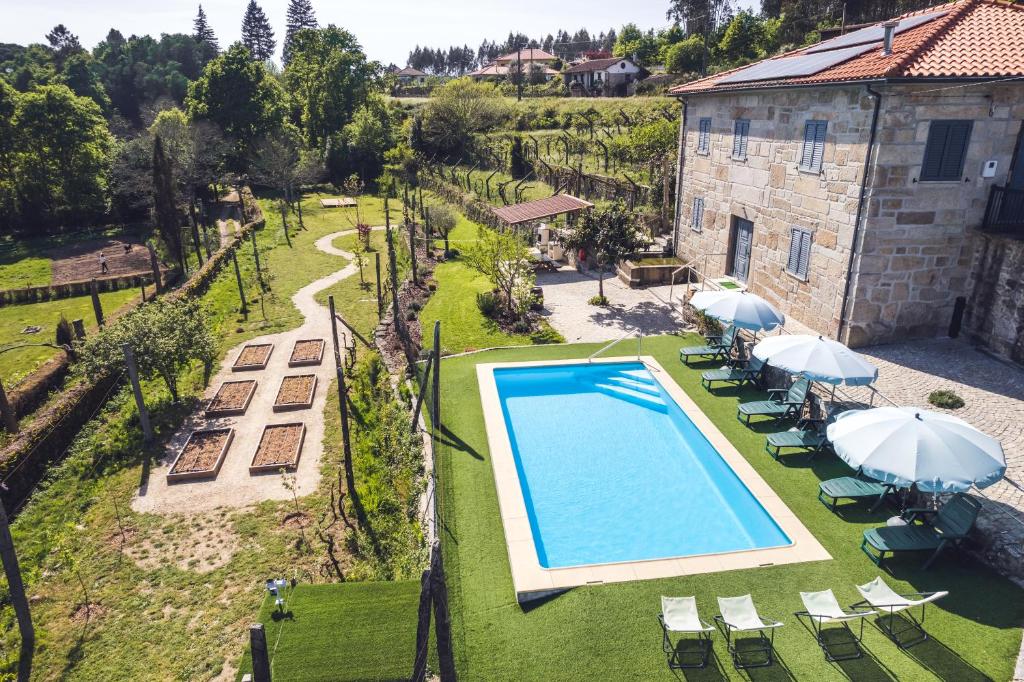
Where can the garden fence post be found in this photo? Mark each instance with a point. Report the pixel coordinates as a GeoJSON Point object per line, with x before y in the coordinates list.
{"type": "Point", "coordinates": [412, 249]}
{"type": "Point", "coordinates": [260, 658]}
{"type": "Point", "coordinates": [133, 375]}
{"type": "Point", "coordinates": [380, 295]}
{"type": "Point", "coordinates": [442, 619]}
{"type": "Point", "coordinates": [7, 412]}
{"type": "Point", "coordinates": [154, 265]}
{"type": "Point", "coordinates": [346, 438]}
{"type": "Point", "coordinates": [79, 327]}
{"type": "Point", "coordinates": [19, 601]}
{"type": "Point", "coordinates": [142, 288]}
{"type": "Point", "coordinates": [256, 257]}
{"type": "Point", "coordinates": [419, 668]}
{"type": "Point", "coordinates": [396, 310]}
{"type": "Point", "coordinates": [238, 278]}
{"type": "Point", "coordinates": [97, 308]}
{"type": "Point", "coordinates": [436, 398]}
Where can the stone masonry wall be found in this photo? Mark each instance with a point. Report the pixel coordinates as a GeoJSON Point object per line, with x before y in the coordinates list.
{"type": "Point", "coordinates": [917, 247]}
{"type": "Point", "coordinates": [769, 190]}
{"type": "Point", "coordinates": [995, 310]}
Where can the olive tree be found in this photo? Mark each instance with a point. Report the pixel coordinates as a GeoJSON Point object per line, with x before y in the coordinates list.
{"type": "Point", "coordinates": [609, 235]}
{"type": "Point", "coordinates": [503, 258]}
{"type": "Point", "coordinates": [165, 335]}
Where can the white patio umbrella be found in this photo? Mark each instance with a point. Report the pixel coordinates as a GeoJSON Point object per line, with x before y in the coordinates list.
{"type": "Point", "coordinates": [817, 358]}
{"type": "Point", "coordinates": [740, 308]}
{"type": "Point", "coordinates": [907, 445]}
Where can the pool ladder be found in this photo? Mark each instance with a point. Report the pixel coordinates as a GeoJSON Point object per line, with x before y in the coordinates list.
{"type": "Point", "coordinates": [638, 332]}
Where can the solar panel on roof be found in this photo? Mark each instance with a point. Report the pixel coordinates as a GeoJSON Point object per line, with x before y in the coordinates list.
{"type": "Point", "coordinates": [872, 34]}
{"type": "Point", "coordinates": [789, 67]}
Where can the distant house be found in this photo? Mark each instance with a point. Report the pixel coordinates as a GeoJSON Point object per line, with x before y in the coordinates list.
{"type": "Point", "coordinates": [411, 76]}
{"type": "Point", "coordinates": [530, 55]}
{"type": "Point", "coordinates": [533, 62]}
{"type": "Point", "coordinates": [611, 76]}
{"type": "Point", "coordinates": [872, 185]}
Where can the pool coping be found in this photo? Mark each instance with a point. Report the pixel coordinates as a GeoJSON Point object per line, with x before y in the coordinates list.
{"type": "Point", "coordinates": [532, 581]}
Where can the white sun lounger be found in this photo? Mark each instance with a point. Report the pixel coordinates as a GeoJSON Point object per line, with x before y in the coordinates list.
{"type": "Point", "coordinates": [738, 614]}
{"type": "Point", "coordinates": [822, 608]}
{"type": "Point", "coordinates": [679, 615]}
{"type": "Point", "coordinates": [883, 598]}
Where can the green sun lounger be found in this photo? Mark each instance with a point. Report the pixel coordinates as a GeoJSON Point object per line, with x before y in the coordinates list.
{"type": "Point", "coordinates": [948, 526]}
{"type": "Point", "coordinates": [716, 347]}
{"type": "Point", "coordinates": [790, 404]}
{"type": "Point", "coordinates": [750, 373]}
{"type": "Point", "coordinates": [853, 488]}
{"type": "Point", "coordinates": [807, 440]}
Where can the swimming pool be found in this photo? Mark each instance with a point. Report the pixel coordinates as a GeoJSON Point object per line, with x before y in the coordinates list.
{"type": "Point", "coordinates": [612, 470]}
{"type": "Point", "coordinates": [608, 471]}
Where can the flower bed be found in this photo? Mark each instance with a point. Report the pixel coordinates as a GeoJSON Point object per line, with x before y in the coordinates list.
{"type": "Point", "coordinates": [280, 446]}
{"type": "Point", "coordinates": [232, 398]}
{"type": "Point", "coordinates": [254, 356]}
{"type": "Point", "coordinates": [307, 352]}
{"type": "Point", "coordinates": [296, 393]}
{"type": "Point", "coordinates": [202, 455]}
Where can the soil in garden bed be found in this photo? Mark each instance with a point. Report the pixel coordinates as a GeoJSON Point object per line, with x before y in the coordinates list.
{"type": "Point", "coordinates": [295, 391]}
{"type": "Point", "coordinates": [253, 356]}
{"type": "Point", "coordinates": [201, 452]}
{"type": "Point", "coordinates": [307, 352]}
{"type": "Point", "coordinates": [280, 446]}
{"type": "Point", "coordinates": [232, 397]}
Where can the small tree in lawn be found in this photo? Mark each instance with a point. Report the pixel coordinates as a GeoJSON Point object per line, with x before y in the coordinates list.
{"type": "Point", "coordinates": [503, 258]}
{"type": "Point", "coordinates": [165, 335]}
{"type": "Point", "coordinates": [442, 221]}
{"type": "Point", "coordinates": [608, 235]}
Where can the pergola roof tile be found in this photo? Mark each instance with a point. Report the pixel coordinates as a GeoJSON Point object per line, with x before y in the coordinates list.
{"type": "Point", "coordinates": [541, 208]}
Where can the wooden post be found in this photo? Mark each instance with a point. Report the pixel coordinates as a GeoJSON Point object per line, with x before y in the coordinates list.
{"type": "Point", "coordinates": [7, 412]}
{"type": "Point", "coordinates": [412, 250]}
{"type": "Point", "coordinates": [256, 257]}
{"type": "Point", "coordinates": [396, 310]}
{"type": "Point", "coordinates": [238, 278]}
{"type": "Point", "coordinates": [442, 619]}
{"type": "Point", "coordinates": [260, 658]}
{"type": "Point", "coordinates": [142, 288]}
{"type": "Point", "coordinates": [97, 308]}
{"type": "Point", "coordinates": [419, 668]}
{"type": "Point", "coordinates": [380, 294]}
{"type": "Point", "coordinates": [284, 222]}
{"type": "Point", "coordinates": [133, 375]}
{"type": "Point", "coordinates": [19, 601]}
{"type": "Point", "coordinates": [427, 232]}
{"type": "Point", "coordinates": [346, 437]}
{"type": "Point", "coordinates": [154, 265]}
{"type": "Point", "coordinates": [421, 202]}
{"type": "Point", "coordinates": [436, 398]}
{"type": "Point", "coordinates": [422, 395]}
{"type": "Point", "coordinates": [79, 327]}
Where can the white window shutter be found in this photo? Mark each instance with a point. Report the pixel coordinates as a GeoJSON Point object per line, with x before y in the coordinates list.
{"type": "Point", "coordinates": [803, 267]}
{"type": "Point", "coordinates": [793, 263]}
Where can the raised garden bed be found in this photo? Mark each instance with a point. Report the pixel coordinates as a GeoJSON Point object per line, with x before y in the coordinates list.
{"type": "Point", "coordinates": [232, 398]}
{"type": "Point", "coordinates": [202, 455]}
{"type": "Point", "coordinates": [296, 393]}
{"type": "Point", "coordinates": [280, 446]}
{"type": "Point", "coordinates": [254, 356]}
{"type": "Point", "coordinates": [307, 352]}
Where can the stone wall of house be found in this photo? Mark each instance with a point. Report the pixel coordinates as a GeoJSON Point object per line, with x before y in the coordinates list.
{"type": "Point", "coordinates": [994, 317]}
{"type": "Point", "coordinates": [916, 249]}
{"type": "Point", "coordinates": [769, 190]}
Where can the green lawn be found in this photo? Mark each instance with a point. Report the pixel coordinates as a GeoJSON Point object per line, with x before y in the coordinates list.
{"type": "Point", "coordinates": [16, 364]}
{"type": "Point", "coordinates": [346, 631]}
{"type": "Point", "coordinates": [24, 271]}
{"type": "Point", "coordinates": [610, 631]}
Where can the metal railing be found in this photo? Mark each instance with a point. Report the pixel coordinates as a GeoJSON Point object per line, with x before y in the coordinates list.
{"type": "Point", "coordinates": [701, 277]}
{"type": "Point", "coordinates": [639, 345]}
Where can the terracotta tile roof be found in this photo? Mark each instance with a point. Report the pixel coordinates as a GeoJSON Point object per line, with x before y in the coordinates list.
{"type": "Point", "coordinates": [530, 54]}
{"type": "Point", "coordinates": [595, 65]}
{"type": "Point", "coordinates": [409, 71]}
{"type": "Point", "coordinates": [503, 70]}
{"type": "Point", "coordinates": [973, 39]}
{"type": "Point", "coordinates": [541, 208]}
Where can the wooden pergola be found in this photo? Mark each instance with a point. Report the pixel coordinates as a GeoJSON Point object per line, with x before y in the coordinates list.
{"type": "Point", "coordinates": [548, 207]}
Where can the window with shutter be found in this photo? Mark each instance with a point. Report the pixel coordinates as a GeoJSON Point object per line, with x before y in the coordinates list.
{"type": "Point", "coordinates": [697, 219]}
{"type": "Point", "coordinates": [814, 146]}
{"type": "Point", "coordinates": [740, 134]}
{"type": "Point", "coordinates": [704, 136]}
{"type": "Point", "coordinates": [945, 150]}
{"type": "Point", "coordinates": [799, 260]}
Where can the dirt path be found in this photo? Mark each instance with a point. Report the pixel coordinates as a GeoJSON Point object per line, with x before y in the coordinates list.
{"type": "Point", "coordinates": [234, 486]}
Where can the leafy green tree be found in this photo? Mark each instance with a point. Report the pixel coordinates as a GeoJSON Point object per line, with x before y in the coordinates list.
{"type": "Point", "coordinates": [442, 221]}
{"type": "Point", "coordinates": [64, 43]}
{"type": "Point", "coordinates": [240, 97]}
{"type": "Point", "coordinates": [365, 140]}
{"type": "Point", "coordinates": [457, 110]}
{"type": "Point", "coordinates": [83, 81]}
{"type": "Point", "coordinates": [607, 235]}
{"type": "Point", "coordinates": [165, 205]}
{"type": "Point", "coordinates": [503, 258]}
{"type": "Point", "coordinates": [647, 142]}
{"type": "Point", "coordinates": [636, 44]}
{"type": "Point", "coordinates": [300, 16]}
{"type": "Point", "coordinates": [742, 40]}
{"type": "Point", "coordinates": [165, 335]}
{"type": "Point", "coordinates": [686, 56]}
{"type": "Point", "coordinates": [203, 34]}
{"type": "Point", "coordinates": [257, 35]}
{"type": "Point", "coordinates": [328, 78]}
{"type": "Point", "coordinates": [8, 155]}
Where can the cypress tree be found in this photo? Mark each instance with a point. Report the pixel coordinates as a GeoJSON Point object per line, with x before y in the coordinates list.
{"type": "Point", "coordinates": [300, 16]}
{"type": "Point", "coordinates": [257, 34]}
{"type": "Point", "coordinates": [517, 161]}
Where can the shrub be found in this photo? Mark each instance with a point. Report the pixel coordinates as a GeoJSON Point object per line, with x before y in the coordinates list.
{"type": "Point", "coordinates": [707, 325]}
{"type": "Point", "coordinates": [521, 327]}
{"type": "Point", "coordinates": [546, 334]}
{"type": "Point", "coordinates": [598, 300]}
{"type": "Point", "coordinates": [65, 334]}
{"type": "Point", "coordinates": [410, 315]}
{"type": "Point", "coordinates": [415, 306]}
{"type": "Point", "coordinates": [945, 399]}
{"type": "Point", "coordinates": [488, 303]}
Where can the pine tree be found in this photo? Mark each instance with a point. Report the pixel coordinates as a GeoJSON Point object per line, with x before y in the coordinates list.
{"type": "Point", "coordinates": [300, 16]}
{"type": "Point", "coordinates": [257, 34]}
{"type": "Point", "coordinates": [202, 31]}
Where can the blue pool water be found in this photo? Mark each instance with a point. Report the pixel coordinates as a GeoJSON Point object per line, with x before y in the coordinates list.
{"type": "Point", "coordinates": [612, 470]}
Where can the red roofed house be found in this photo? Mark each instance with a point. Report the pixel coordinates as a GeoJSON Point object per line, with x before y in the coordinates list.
{"type": "Point", "coordinates": [872, 185]}
{"type": "Point", "coordinates": [535, 63]}
{"type": "Point", "coordinates": [610, 76]}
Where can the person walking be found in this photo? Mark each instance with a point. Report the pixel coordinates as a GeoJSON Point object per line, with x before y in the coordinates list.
{"type": "Point", "coordinates": [103, 264]}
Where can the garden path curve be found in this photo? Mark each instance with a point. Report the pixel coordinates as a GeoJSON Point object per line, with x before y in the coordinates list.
{"type": "Point", "coordinates": [234, 486]}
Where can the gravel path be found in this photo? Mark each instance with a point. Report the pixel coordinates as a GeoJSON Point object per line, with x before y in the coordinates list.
{"type": "Point", "coordinates": [234, 486]}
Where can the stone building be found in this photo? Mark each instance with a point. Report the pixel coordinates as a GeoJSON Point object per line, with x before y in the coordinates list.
{"type": "Point", "coordinates": [872, 185]}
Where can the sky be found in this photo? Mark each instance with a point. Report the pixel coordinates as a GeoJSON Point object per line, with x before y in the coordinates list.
{"type": "Point", "coordinates": [387, 29]}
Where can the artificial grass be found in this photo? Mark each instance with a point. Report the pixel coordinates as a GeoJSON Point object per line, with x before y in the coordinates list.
{"type": "Point", "coordinates": [610, 631]}
{"type": "Point", "coordinates": [345, 631]}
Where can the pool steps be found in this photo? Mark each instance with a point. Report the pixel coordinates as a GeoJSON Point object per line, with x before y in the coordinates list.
{"type": "Point", "coordinates": [636, 392]}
